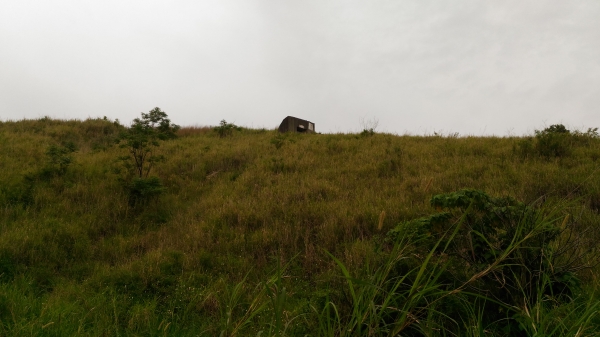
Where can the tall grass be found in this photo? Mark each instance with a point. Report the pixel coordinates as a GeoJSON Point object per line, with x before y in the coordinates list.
{"type": "Point", "coordinates": [436, 294]}
{"type": "Point", "coordinates": [78, 258]}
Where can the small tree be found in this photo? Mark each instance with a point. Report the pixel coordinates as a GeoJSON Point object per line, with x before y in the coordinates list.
{"type": "Point", "coordinates": [143, 137]}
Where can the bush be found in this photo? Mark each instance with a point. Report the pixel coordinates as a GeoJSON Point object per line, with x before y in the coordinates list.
{"type": "Point", "coordinates": [367, 132]}
{"type": "Point", "coordinates": [143, 190]}
{"type": "Point", "coordinates": [500, 249]}
{"type": "Point", "coordinates": [226, 129]}
{"type": "Point", "coordinates": [556, 129]}
{"type": "Point", "coordinates": [553, 141]}
{"type": "Point", "coordinates": [59, 158]}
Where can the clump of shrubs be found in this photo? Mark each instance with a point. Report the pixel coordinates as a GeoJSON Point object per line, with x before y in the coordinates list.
{"type": "Point", "coordinates": [502, 251]}
{"type": "Point", "coordinates": [555, 141]}
{"type": "Point", "coordinates": [59, 158]}
{"type": "Point", "coordinates": [226, 129]}
{"type": "Point", "coordinates": [367, 132]}
{"type": "Point", "coordinates": [143, 190]}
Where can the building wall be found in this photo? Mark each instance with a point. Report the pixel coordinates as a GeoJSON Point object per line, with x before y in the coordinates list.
{"type": "Point", "coordinates": [291, 124]}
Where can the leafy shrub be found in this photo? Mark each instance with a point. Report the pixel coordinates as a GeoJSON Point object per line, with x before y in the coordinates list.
{"type": "Point", "coordinates": [59, 158]}
{"type": "Point", "coordinates": [556, 129]}
{"type": "Point", "coordinates": [226, 129]}
{"type": "Point", "coordinates": [553, 141]}
{"type": "Point", "coordinates": [367, 132]}
{"type": "Point", "coordinates": [143, 190]}
{"type": "Point", "coordinates": [499, 248]}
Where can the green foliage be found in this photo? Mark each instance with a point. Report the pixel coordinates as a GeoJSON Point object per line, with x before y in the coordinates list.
{"type": "Point", "coordinates": [392, 296]}
{"type": "Point", "coordinates": [502, 249]}
{"type": "Point", "coordinates": [555, 129]}
{"type": "Point", "coordinates": [59, 157]}
{"type": "Point", "coordinates": [142, 138]}
{"type": "Point", "coordinates": [555, 141]}
{"type": "Point", "coordinates": [226, 129]}
{"type": "Point", "coordinates": [590, 133]}
{"type": "Point", "coordinates": [144, 190]}
{"type": "Point", "coordinates": [367, 132]}
{"type": "Point", "coordinates": [418, 228]}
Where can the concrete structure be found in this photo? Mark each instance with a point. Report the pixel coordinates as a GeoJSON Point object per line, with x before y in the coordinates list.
{"type": "Point", "coordinates": [293, 124]}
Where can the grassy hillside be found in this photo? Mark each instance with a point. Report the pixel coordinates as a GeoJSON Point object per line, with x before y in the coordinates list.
{"type": "Point", "coordinates": [297, 234]}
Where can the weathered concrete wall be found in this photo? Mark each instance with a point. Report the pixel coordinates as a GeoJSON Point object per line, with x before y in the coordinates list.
{"type": "Point", "coordinates": [293, 124]}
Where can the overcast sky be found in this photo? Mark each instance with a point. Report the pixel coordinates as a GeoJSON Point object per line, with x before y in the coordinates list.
{"type": "Point", "coordinates": [468, 66]}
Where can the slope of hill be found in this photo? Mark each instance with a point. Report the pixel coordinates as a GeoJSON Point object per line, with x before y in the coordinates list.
{"type": "Point", "coordinates": [256, 231]}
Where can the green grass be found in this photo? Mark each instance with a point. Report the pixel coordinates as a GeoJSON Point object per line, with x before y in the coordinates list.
{"type": "Point", "coordinates": [285, 235]}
